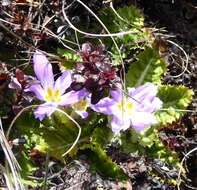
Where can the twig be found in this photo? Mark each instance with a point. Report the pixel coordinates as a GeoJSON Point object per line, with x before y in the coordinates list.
{"type": "Point", "coordinates": [91, 34]}
{"type": "Point", "coordinates": [180, 170]}
{"type": "Point", "coordinates": [186, 56]}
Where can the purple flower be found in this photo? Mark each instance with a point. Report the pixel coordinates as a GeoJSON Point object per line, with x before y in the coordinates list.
{"type": "Point", "coordinates": [136, 110]}
{"type": "Point", "coordinates": [50, 91]}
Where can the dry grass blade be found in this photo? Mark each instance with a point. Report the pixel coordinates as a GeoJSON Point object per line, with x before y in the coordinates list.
{"type": "Point", "coordinates": [11, 171]}
{"type": "Point", "coordinates": [7, 180]}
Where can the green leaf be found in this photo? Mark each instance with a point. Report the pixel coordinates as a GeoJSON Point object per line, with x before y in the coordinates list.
{"type": "Point", "coordinates": [128, 17]}
{"type": "Point", "coordinates": [54, 136]}
{"type": "Point", "coordinates": [26, 164]}
{"type": "Point", "coordinates": [175, 99]}
{"type": "Point", "coordinates": [69, 55]}
{"type": "Point", "coordinates": [156, 149]}
{"type": "Point", "coordinates": [57, 133]}
{"type": "Point", "coordinates": [147, 144]}
{"type": "Point", "coordinates": [27, 168]}
{"type": "Point", "coordinates": [102, 135]}
{"type": "Point", "coordinates": [129, 141]}
{"type": "Point", "coordinates": [69, 58]}
{"type": "Point", "coordinates": [58, 136]}
{"type": "Point", "coordinates": [96, 150]}
{"type": "Point", "coordinates": [149, 67]}
{"type": "Point", "coordinates": [101, 162]}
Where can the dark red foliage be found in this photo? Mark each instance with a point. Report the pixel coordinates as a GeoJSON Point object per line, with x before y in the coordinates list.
{"type": "Point", "coordinates": [21, 83]}
{"type": "Point", "coordinates": [3, 78]}
{"type": "Point", "coordinates": [4, 75]}
{"type": "Point", "coordinates": [96, 71]}
{"type": "Point", "coordinates": [20, 77]}
{"type": "Point", "coordinates": [36, 156]}
{"type": "Point", "coordinates": [173, 137]}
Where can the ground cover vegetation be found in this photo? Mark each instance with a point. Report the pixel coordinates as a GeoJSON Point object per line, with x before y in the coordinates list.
{"type": "Point", "coordinates": [95, 96]}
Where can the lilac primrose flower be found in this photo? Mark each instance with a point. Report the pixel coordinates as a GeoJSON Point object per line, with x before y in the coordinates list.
{"type": "Point", "coordinates": [50, 91]}
{"type": "Point", "coordinates": [136, 110]}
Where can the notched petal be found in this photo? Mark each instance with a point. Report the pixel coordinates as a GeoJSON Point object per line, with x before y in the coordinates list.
{"type": "Point", "coordinates": [44, 110]}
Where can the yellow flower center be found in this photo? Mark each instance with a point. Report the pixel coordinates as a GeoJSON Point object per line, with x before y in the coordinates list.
{"type": "Point", "coordinates": [52, 95]}
{"type": "Point", "coordinates": [125, 107]}
{"type": "Point", "coordinates": [81, 105]}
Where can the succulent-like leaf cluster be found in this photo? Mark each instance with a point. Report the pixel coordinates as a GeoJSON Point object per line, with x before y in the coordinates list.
{"type": "Point", "coordinates": [97, 74]}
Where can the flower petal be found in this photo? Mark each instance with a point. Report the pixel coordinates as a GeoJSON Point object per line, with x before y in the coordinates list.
{"type": "Point", "coordinates": [151, 106]}
{"type": "Point", "coordinates": [63, 82]}
{"type": "Point", "coordinates": [14, 84]}
{"type": "Point", "coordinates": [72, 97]}
{"type": "Point", "coordinates": [147, 90]}
{"type": "Point", "coordinates": [130, 91]}
{"type": "Point", "coordinates": [156, 104]}
{"type": "Point", "coordinates": [83, 114]}
{"type": "Point", "coordinates": [86, 48]}
{"type": "Point", "coordinates": [142, 120]}
{"type": "Point", "coordinates": [47, 80]}
{"type": "Point", "coordinates": [104, 106]}
{"type": "Point", "coordinates": [117, 95]}
{"type": "Point", "coordinates": [37, 90]}
{"type": "Point", "coordinates": [44, 110]}
{"type": "Point", "coordinates": [144, 98]}
{"type": "Point", "coordinates": [39, 63]}
{"type": "Point", "coordinates": [119, 124]}
{"type": "Point", "coordinates": [43, 69]}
